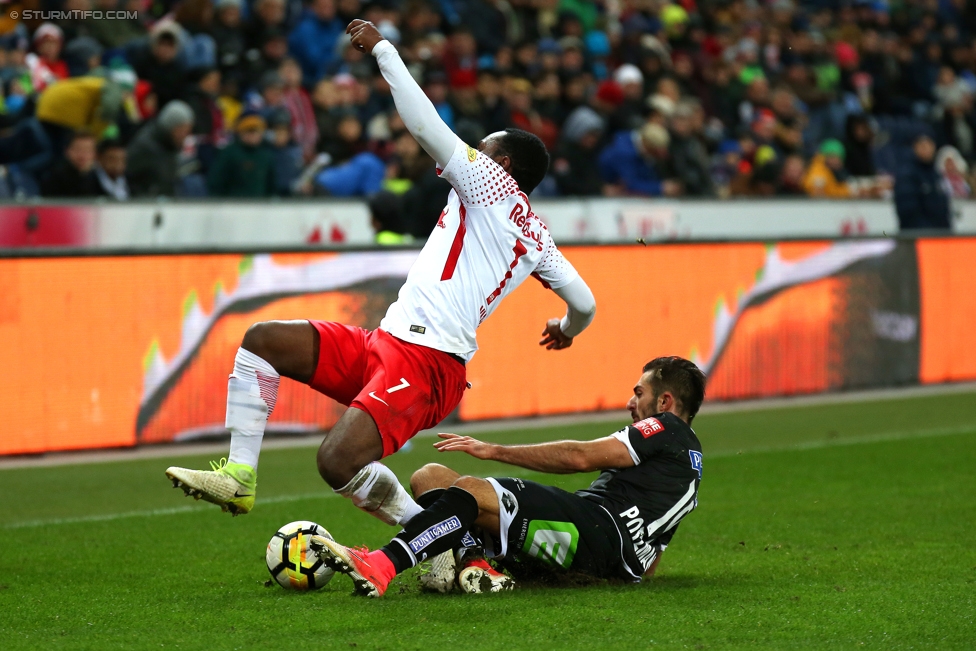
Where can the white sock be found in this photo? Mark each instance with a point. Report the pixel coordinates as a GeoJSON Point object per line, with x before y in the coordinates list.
{"type": "Point", "coordinates": [251, 394]}
{"type": "Point", "coordinates": [377, 491]}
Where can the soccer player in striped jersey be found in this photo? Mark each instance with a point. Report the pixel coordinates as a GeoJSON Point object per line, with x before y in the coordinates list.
{"type": "Point", "coordinates": [617, 527]}
{"type": "Point", "coordinates": [408, 374]}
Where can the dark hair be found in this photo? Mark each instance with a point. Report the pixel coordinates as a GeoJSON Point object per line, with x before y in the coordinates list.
{"type": "Point", "coordinates": [682, 378]}
{"type": "Point", "coordinates": [387, 209]}
{"type": "Point", "coordinates": [109, 143]}
{"type": "Point", "coordinates": [81, 134]}
{"type": "Point", "coordinates": [165, 38]}
{"type": "Point", "coordinates": [530, 160]}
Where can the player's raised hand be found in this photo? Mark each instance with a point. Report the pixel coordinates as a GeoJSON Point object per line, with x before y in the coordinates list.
{"type": "Point", "coordinates": [456, 443]}
{"type": "Point", "coordinates": [553, 337]}
{"type": "Point", "coordinates": [364, 35]}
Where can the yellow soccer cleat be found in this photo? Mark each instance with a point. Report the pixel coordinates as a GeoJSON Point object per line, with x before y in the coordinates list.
{"type": "Point", "coordinates": [231, 486]}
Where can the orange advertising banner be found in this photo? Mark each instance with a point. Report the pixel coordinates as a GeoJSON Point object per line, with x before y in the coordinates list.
{"type": "Point", "coordinates": [116, 351]}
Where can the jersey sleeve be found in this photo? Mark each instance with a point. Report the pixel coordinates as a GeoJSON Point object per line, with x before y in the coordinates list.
{"type": "Point", "coordinates": [554, 270]}
{"type": "Point", "coordinates": [643, 439]}
{"type": "Point", "coordinates": [478, 180]}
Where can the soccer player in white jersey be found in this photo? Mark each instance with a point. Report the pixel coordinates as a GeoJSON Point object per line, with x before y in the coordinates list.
{"type": "Point", "coordinates": [408, 374]}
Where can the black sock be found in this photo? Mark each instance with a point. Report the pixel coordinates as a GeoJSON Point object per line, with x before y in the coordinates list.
{"type": "Point", "coordinates": [437, 529]}
{"type": "Point", "coordinates": [427, 498]}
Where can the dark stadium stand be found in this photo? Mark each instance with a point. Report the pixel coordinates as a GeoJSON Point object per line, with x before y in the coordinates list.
{"type": "Point", "coordinates": [707, 98]}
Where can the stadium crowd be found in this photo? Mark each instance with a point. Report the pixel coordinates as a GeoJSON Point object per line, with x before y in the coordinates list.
{"type": "Point", "coordinates": [699, 98]}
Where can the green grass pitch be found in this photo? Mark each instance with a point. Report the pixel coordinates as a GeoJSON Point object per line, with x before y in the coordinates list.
{"type": "Point", "coordinates": [830, 527]}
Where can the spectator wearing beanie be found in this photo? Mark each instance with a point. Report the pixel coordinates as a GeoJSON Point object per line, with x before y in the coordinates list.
{"type": "Point", "coordinates": [826, 175]}
{"type": "Point", "coordinates": [153, 155]}
{"type": "Point", "coordinates": [636, 163]}
{"type": "Point", "coordinates": [246, 167]}
{"type": "Point", "coordinates": [630, 112]}
{"type": "Point", "coordinates": [46, 65]}
{"type": "Point", "coordinates": [575, 163]}
{"type": "Point", "coordinates": [83, 55]}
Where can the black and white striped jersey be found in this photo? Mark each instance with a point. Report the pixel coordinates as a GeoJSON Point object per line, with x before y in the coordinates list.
{"type": "Point", "coordinates": [649, 499]}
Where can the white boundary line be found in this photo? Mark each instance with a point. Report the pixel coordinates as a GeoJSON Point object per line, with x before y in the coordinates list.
{"type": "Point", "coordinates": [165, 450]}
{"type": "Point", "coordinates": [279, 499]}
{"type": "Point", "coordinates": [176, 510]}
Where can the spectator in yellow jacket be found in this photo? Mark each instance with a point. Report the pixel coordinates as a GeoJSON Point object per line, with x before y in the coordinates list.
{"type": "Point", "coordinates": [90, 104]}
{"type": "Point", "coordinates": [824, 177]}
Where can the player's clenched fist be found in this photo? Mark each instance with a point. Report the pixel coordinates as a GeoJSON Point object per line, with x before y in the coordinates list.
{"type": "Point", "coordinates": [364, 35]}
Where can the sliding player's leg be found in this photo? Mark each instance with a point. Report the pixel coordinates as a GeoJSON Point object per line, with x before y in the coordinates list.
{"type": "Point", "coordinates": [439, 528]}
{"type": "Point", "coordinates": [268, 351]}
{"type": "Point", "coordinates": [438, 573]}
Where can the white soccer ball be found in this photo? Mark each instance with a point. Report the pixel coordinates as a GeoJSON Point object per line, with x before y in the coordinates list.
{"type": "Point", "coordinates": [292, 564]}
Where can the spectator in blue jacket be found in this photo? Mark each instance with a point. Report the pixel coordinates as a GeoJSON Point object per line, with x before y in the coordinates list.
{"type": "Point", "coordinates": [920, 199]}
{"type": "Point", "coordinates": [636, 163]}
{"type": "Point", "coordinates": [360, 176]}
{"type": "Point", "coordinates": [313, 42]}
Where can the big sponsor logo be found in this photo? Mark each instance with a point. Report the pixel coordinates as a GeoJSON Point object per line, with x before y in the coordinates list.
{"type": "Point", "coordinates": [552, 542]}
{"type": "Point", "coordinates": [432, 533]}
{"type": "Point", "coordinates": [649, 427]}
{"type": "Point", "coordinates": [526, 221]}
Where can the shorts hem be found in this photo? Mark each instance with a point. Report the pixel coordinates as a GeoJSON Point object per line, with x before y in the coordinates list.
{"type": "Point", "coordinates": [504, 519]}
{"type": "Point", "coordinates": [386, 440]}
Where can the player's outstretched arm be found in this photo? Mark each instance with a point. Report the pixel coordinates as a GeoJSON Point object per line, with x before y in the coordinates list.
{"type": "Point", "coordinates": [418, 113]}
{"type": "Point", "coordinates": [561, 457]}
{"type": "Point", "coordinates": [580, 310]}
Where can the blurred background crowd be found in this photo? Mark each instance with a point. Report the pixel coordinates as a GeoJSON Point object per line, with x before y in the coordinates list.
{"type": "Point", "coordinates": [697, 98]}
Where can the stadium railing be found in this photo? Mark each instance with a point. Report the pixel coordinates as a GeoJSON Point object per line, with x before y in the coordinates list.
{"type": "Point", "coordinates": [232, 225]}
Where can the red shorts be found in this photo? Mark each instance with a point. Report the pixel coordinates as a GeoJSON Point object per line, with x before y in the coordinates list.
{"type": "Point", "coordinates": [403, 386]}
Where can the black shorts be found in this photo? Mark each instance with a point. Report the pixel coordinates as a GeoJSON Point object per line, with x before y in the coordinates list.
{"type": "Point", "coordinates": [563, 530]}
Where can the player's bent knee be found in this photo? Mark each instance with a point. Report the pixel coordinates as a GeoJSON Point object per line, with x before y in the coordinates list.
{"type": "Point", "coordinates": [426, 478]}
{"type": "Point", "coordinates": [474, 485]}
{"type": "Point", "coordinates": [336, 472]}
{"type": "Point", "coordinates": [259, 339]}
{"type": "Point", "coordinates": [337, 464]}
{"type": "Point", "coordinates": [289, 346]}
